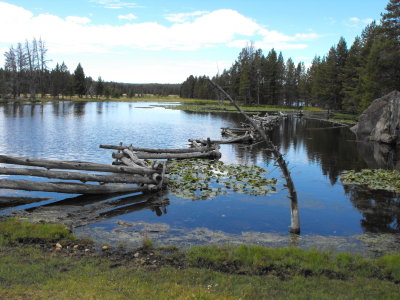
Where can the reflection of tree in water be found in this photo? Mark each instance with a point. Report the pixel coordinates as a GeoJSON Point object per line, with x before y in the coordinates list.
{"type": "Point", "coordinates": [333, 149]}
{"type": "Point", "coordinates": [380, 209]}
{"type": "Point", "coordinates": [79, 108]}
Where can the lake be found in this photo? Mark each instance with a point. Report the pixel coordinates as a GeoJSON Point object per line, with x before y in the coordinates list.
{"type": "Point", "coordinates": [317, 153]}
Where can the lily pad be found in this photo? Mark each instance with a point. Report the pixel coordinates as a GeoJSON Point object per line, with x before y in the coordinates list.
{"type": "Point", "coordinates": [205, 179]}
{"type": "Point", "coordinates": [378, 179]}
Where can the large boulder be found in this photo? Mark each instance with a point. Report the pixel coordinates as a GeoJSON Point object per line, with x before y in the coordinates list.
{"type": "Point", "coordinates": [381, 120]}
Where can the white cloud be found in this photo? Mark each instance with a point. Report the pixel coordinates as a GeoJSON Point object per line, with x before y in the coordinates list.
{"type": "Point", "coordinates": [77, 20]}
{"type": "Point", "coordinates": [357, 22]}
{"type": "Point", "coordinates": [192, 31]}
{"type": "Point", "coordinates": [76, 34]}
{"type": "Point", "coordinates": [129, 16]}
{"type": "Point", "coordinates": [115, 4]}
{"type": "Point", "coordinates": [183, 17]}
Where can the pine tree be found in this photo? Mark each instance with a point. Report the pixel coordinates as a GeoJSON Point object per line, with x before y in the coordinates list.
{"type": "Point", "coordinates": [79, 81]}
{"type": "Point", "coordinates": [100, 87]}
{"type": "Point", "coordinates": [290, 82]}
{"type": "Point", "coordinates": [351, 77]}
{"type": "Point", "coordinates": [391, 20]}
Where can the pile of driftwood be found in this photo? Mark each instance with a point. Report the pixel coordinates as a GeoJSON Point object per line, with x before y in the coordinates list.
{"type": "Point", "coordinates": [129, 173]}
{"type": "Point", "coordinates": [117, 179]}
{"type": "Point", "coordinates": [267, 122]}
{"type": "Point", "coordinates": [247, 133]}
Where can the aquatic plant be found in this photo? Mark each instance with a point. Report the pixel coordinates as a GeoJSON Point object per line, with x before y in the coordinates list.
{"type": "Point", "coordinates": [204, 179]}
{"type": "Point", "coordinates": [378, 179]}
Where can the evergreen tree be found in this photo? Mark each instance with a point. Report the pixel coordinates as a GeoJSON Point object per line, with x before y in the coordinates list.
{"type": "Point", "coordinates": [391, 20]}
{"type": "Point", "coordinates": [290, 83]}
{"type": "Point", "coordinates": [99, 87]}
{"type": "Point", "coordinates": [79, 81]}
{"type": "Point", "coordinates": [351, 77]}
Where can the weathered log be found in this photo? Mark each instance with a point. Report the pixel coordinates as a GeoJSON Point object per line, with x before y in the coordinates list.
{"type": "Point", "coordinates": [134, 158]}
{"type": "Point", "coordinates": [210, 154]}
{"type": "Point", "coordinates": [242, 139]}
{"type": "Point", "coordinates": [73, 165]}
{"type": "Point", "coordinates": [70, 188]}
{"type": "Point", "coordinates": [143, 155]}
{"type": "Point", "coordinates": [114, 178]}
{"type": "Point", "coordinates": [184, 150]}
{"type": "Point", "coordinates": [128, 162]}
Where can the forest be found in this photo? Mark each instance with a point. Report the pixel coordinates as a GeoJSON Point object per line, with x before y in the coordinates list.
{"type": "Point", "coordinates": [345, 79]}
{"type": "Point", "coordinates": [26, 74]}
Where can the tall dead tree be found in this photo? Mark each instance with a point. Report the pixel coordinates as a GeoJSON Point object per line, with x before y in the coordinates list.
{"type": "Point", "coordinates": [294, 208]}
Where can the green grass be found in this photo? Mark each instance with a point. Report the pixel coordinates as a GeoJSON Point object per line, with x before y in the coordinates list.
{"type": "Point", "coordinates": [348, 119]}
{"type": "Point", "coordinates": [244, 272]}
{"type": "Point", "coordinates": [213, 106]}
{"type": "Point", "coordinates": [13, 230]}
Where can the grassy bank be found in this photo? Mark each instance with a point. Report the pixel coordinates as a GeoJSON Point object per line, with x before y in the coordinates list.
{"type": "Point", "coordinates": [40, 261]}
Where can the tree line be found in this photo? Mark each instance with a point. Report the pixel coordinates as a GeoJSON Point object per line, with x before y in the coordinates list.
{"type": "Point", "coordinates": [26, 74]}
{"type": "Point", "coordinates": [346, 78]}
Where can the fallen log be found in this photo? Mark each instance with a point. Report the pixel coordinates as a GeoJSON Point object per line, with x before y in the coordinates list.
{"type": "Point", "coordinates": [149, 150]}
{"type": "Point", "coordinates": [242, 139]}
{"type": "Point", "coordinates": [74, 165]}
{"type": "Point", "coordinates": [134, 158]}
{"type": "Point", "coordinates": [84, 177]}
{"type": "Point", "coordinates": [69, 188]}
{"type": "Point", "coordinates": [143, 155]}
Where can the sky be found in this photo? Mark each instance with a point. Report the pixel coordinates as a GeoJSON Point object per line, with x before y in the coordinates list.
{"type": "Point", "coordinates": [157, 41]}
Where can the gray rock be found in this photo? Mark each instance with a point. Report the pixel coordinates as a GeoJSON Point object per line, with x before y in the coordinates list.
{"type": "Point", "coordinates": [381, 120]}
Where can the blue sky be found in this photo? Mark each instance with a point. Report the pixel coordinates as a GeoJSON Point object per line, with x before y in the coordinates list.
{"type": "Point", "coordinates": [143, 41]}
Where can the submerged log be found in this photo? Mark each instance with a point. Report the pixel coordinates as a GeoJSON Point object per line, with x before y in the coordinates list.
{"type": "Point", "coordinates": [149, 150]}
{"type": "Point", "coordinates": [74, 165]}
{"type": "Point", "coordinates": [7, 201]}
{"type": "Point", "coordinates": [70, 188]}
{"type": "Point", "coordinates": [84, 177]}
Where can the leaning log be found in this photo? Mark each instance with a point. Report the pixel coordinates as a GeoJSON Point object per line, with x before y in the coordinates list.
{"type": "Point", "coordinates": [84, 177]}
{"type": "Point", "coordinates": [134, 158]}
{"type": "Point", "coordinates": [294, 211]}
{"type": "Point", "coordinates": [69, 188]}
{"type": "Point", "coordinates": [149, 150]}
{"type": "Point", "coordinates": [74, 165]}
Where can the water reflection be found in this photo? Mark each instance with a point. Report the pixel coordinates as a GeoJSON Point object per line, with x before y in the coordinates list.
{"type": "Point", "coordinates": [86, 209]}
{"type": "Point", "coordinates": [317, 154]}
{"type": "Point", "coordinates": [379, 156]}
{"type": "Point", "coordinates": [380, 209]}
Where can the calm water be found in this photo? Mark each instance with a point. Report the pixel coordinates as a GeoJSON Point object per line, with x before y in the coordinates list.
{"type": "Point", "coordinates": [316, 153]}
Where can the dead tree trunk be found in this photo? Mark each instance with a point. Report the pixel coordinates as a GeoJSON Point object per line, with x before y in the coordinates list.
{"type": "Point", "coordinates": [295, 218]}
